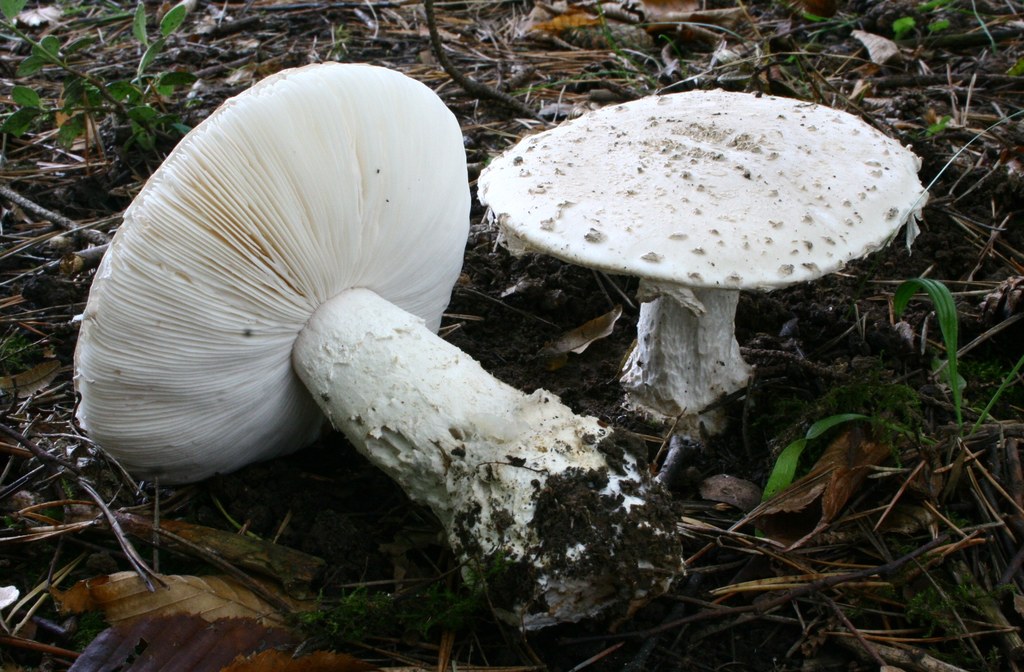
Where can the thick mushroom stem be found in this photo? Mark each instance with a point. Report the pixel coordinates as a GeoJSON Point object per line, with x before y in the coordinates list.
{"type": "Point", "coordinates": [558, 500]}
{"type": "Point", "coordinates": [686, 356]}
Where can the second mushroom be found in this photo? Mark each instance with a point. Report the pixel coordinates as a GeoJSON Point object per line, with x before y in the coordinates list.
{"type": "Point", "coordinates": [700, 195]}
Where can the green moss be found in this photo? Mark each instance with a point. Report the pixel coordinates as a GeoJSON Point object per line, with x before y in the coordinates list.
{"type": "Point", "coordinates": [942, 608]}
{"type": "Point", "coordinates": [893, 408]}
{"type": "Point", "coordinates": [421, 611]}
{"type": "Point", "coordinates": [984, 376]}
{"type": "Point", "coordinates": [90, 624]}
{"type": "Point", "coordinates": [17, 353]}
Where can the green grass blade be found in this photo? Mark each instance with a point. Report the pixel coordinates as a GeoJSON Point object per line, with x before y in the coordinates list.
{"type": "Point", "coordinates": [1009, 378]}
{"type": "Point", "coordinates": [945, 313]}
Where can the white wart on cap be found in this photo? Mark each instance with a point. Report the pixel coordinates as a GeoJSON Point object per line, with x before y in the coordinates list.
{"type": "Point", "coordinates": [702, 194]}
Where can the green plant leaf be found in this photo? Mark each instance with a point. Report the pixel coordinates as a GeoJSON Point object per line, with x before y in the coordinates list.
{"type": "Point", "coordinates": [1017, 69]}
{"type": "Point", "coordinates": [141, 137]}
{"type": "Point", "coordinates": [125, 92]}
{"type": "Point", "coordinates": [20, 121]}
{"type": "Point", "coordinates": [938, 26]}
{"type": "Point", "coordinates": [945, 313]}
{"type": "Point", "coordinates": [173, 19]}
{"type": "Point", "coordinates": [152, 51]}
{"type": "Point", "coordinates": [71, 130]}
{"type": "Point", "coordinates": [786, 463]}
{"type": "Point", "coordinates": [74, 93]}
{"type": "Point", "coordinates": [1008, 380]}
{"type": "Point", "coordinates": [902, 26]}
{"type": "Point", "coordinates": [139, 25]}
{"type": "Point", "coordinates": [142, 113]}
{"type": "Point", "coordinates": [173, 79]}
{"type": "Point", "coordinates": [78, 44]}
{"type": "Point", "coordinates": [11, 8]}
{"type": "Point", "coordinates": [26, 97]}
{"type": "Point", "coordinates": [31, 65]}
{"type": "Point", "coordinates": [48, 49]}
{"type": "Point", "coordinates": [938, 126]}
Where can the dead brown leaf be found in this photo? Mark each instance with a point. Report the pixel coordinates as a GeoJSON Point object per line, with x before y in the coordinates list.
{"type": "Point", "coordinates": [318, 661]}
{"type": "Point", "coordinates": [27, 383]}
{"type": "Point", "coordinates": [295, 570]}
{"type": "Point", "coordinates": [573, 18]}
{"type": "Point", "coordinates": [811, 502]}
{"type": "Point", "coordinates": [671, 13]}
{"type": "Point", "coordinates": [881, 50]}
{"type": "Point", "coordinates": [727, 489]}
{"type": "Point", "coordinates": [824, 8]}
{"type": "Point", "coordinates": [580, 338]}
{"type": "Point", "coordinates": [180, 642]}
{"type": "Point", "coordinates": [124, 597]}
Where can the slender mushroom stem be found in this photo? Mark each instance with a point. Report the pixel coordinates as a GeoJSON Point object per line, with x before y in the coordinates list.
{"type": "Point", "coordinates": [686, 355]}
{"type": "Point", "coordinates": [558, 499]}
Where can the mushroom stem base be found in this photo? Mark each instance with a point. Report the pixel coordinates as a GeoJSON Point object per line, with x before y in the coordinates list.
{"type": "Point", "coordinates": [686, 356]}
{"type": "Point", "coordinates": [564, 506]}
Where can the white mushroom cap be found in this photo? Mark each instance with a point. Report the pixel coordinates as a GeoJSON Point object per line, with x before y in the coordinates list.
{"type": "Point", "coordinates": [706, 189]}
{"type": "Point", "coordinates": [313, 181]}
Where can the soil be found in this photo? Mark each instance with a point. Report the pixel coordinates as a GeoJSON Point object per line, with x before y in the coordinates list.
{"type": "Point", "coordinates": [828, 347]}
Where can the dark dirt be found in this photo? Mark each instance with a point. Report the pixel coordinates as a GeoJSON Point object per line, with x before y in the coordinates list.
{"type": "Point", "coordinates": [828, 347]}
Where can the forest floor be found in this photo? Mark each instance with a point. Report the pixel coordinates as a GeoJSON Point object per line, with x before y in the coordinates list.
{"type": "Point", "coordinates": [915, 557]}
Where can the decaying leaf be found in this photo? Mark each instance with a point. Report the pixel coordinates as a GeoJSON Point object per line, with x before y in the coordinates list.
{"type": "Point", "coordinates": [295, 570]}
{"type": "Point", "coordinates": [824, 8]}
{"type": "Point", "coordinates": [123, 597]}
{"type": "Point", "coordinates": [664, 14]}
{"type": "Point", "coordinates": [881, 50]}
{"type": "Point", "coordinates": [573, 18]}
{"type": "Point", "coordinates": [580, 338]}
{"type": "Point", "coordinates": [811, 502]}
{"type": "Point", "coordinates": [27, 383]}
{"type": "Point", "coordinates": [318, 661]}
{"type": "Point", "coordinates": [39, 16]}
{"type": "Point", "coordinates": [727, 489]}
{"type": "Point", "coordinates": [180, 642]}
{"type": "Point", "coordinates": [1004, 301]}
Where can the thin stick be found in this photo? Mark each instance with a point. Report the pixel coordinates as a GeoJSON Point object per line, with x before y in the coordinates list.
{"type": "Point", "coordinates": [55, 464]}
{"type": "Point", "coordinates": [474, 88]}
{"type": "Point", "coordinates": [762, 607]}
{"type": "Point", "coordinates": [36, 209]}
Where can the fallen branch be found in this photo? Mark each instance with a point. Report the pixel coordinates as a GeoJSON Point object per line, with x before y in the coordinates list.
{"type": "Point", "coordinates": [471, 86]}
{"type": "Point", "coordinates": [55, 218]}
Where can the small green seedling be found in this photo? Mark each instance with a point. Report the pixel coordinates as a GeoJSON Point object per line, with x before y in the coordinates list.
{"type": "Point", "coordinates": [937, 127]}
{"type": "Point", "coordinates": [945, 313]}
{"type": "Point", "coordinates": [902, 27]}
{"type": "Point", "coordinates": [786, 464]}
{"type": "Point", "coordinates": [1008, 379]}
{"type": "Point", "coordinates": [84, 96]}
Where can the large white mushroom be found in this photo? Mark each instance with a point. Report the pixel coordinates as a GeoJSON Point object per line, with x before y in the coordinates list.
{"type": "Point", "coordinates": [290, 260]}
{"type": "Point", "coordinates": [702, 194]}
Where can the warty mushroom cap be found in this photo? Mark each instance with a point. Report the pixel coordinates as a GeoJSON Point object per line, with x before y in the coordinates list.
{"type": "Point", "coordinates": [313, 181]}
{"type": "Point", "coordinates": [707, 189]}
